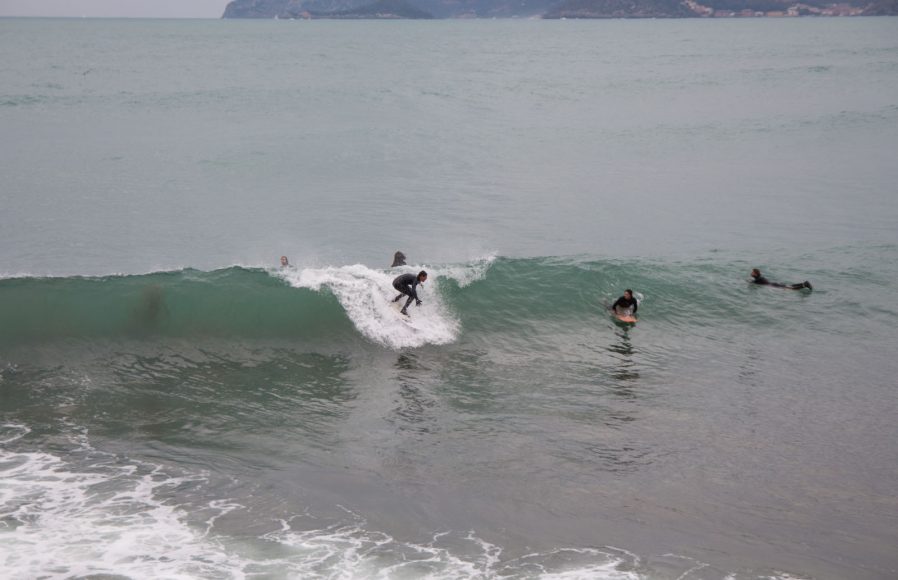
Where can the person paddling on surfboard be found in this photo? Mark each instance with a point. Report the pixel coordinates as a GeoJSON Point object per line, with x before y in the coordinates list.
{"type": "Point", "coordinates": [756, 278]}
{"type": "Point", "coordinates": [406, 284]}
{"type": "Point", "coordinates": [626, 305]}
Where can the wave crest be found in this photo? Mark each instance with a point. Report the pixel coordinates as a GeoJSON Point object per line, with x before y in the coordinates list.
{"type": "Point", "coordinates": [366, 296]}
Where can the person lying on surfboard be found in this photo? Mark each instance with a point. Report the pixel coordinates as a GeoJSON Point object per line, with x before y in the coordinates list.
{"type": "Point", "coordinates": [758, 279]}
{"type": "Point", "coordinates": [406, 284]}
{"type": "Point", "coordinates": [626, 305]}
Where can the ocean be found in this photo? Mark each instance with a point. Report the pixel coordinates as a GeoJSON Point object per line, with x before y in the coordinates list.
{"type": "Point", "coordinates": [173, 404]}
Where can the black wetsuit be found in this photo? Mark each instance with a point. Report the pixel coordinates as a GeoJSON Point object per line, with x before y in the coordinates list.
{"type": "Point", "coordinates": [626, 304]}
{"type": "Point", "coordinates": [406, 284]}
{"type": "Point", "coordinates": [765, 282]}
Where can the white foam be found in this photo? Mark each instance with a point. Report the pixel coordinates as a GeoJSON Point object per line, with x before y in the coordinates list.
{"type": "Point", "coordinates": [10, 432]}
{"type": "Point", "coordinates": [57, 521]}
{"type": "Point", "coordinates": [580, 564]}
{"type": "Point", "coordinates": [97, 514]}
{"type": "Point", "coordinates": [351, 551]}
{"type": "Point", "coordinates": [19, 275]}
{"type": "Point", "coordinates": [465, 274]}
{"type": "Point", "coordinates": [366, 295]}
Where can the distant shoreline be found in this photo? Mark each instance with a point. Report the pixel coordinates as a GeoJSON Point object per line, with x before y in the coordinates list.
{"type": "Point", "coordinates": [553, 9]}
{"type": "Point", "coordinates": [458, 18]}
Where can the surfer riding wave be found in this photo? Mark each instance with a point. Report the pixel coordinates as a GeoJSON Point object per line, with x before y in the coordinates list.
{"type": "Point", "coordinates": [406, 285]}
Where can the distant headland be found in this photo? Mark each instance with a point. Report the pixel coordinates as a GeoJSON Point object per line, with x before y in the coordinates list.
{"type": "Point", "coordinates": [553, 9]}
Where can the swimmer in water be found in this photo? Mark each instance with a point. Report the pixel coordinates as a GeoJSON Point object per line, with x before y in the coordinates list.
{"type": "Point", "coordinates": [626, 305]}
{"type": "Point", "coordinates": [398, 259]}
{"type": "Point", "coordinates": [757, 278]}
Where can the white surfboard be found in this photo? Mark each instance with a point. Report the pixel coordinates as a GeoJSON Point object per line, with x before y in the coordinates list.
{"type": "Point", "coordinates": [397, 307]}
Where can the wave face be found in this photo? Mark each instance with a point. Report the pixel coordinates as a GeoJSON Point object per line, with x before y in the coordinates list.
{"type": "Point", "coordinates": [331, 303]}
{"type": "Point", "coordinates": [315, 304]}
{"type": "Point", "coordinates": [496, 297]}
{"type": "Point", "coordinates": [231, 302]}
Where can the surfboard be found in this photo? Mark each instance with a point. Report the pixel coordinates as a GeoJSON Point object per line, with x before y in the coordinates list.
{"type": "Point", "coordinates": [397, 308]}
{"type": "Point", "coordinates": [625, 318]}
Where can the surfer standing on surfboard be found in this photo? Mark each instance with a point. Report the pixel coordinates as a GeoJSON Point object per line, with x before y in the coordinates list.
{"type": "Point", "coordinates": [756, 278]}
{"type": "Point", "coordinates": [406, 284]}
{"type": "Point", "coordinates": [626, 305]}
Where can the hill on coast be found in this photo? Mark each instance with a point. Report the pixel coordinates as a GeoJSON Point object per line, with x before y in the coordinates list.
{"type": "Point", "coordinates": [382, 9]}
{"type": "Point", "coordinates": [619, 9]}
{"type": "Point", "coordinates": [418, 9]}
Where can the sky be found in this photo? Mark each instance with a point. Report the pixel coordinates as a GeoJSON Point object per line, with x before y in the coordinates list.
{"type": "Point", "coordinates": [115, 8]}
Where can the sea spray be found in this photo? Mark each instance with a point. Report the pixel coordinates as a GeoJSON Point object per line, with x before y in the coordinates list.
{"type": "Point", "coordinates": [366, 295]}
